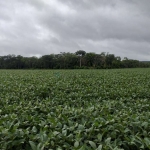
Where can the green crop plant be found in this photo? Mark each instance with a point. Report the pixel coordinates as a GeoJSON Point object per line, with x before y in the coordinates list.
{"type": "Point", "coordinates": [75, 109]}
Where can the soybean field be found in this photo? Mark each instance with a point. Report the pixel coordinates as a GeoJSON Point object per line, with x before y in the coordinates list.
{"type": "Point", "coordinates": [75, 109]}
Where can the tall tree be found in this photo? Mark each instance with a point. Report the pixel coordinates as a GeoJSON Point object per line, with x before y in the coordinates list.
{"type": "Point", "coordinates": [80, 53]}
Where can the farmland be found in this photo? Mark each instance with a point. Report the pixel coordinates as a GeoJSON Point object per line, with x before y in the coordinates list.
{"type": "Point", "coordinates": [74, 109]}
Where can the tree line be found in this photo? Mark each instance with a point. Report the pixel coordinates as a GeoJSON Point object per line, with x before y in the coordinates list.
{"type": "Point", "coordinates": [77, 60]}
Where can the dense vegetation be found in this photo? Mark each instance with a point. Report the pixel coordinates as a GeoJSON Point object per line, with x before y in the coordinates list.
{"type": "Point", "coordinates": [77, 60]}
{"type": "Point", "coordinates": [75, 109]}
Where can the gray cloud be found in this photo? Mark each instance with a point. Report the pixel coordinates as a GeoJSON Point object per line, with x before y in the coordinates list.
{"type": "Point", "coordinates": [35, 27]}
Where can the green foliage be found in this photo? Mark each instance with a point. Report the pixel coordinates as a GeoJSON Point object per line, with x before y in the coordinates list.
{"type": "Point", "coordinates": [77, 60]}
{"type": "Point", "coordinates": [75, 109]}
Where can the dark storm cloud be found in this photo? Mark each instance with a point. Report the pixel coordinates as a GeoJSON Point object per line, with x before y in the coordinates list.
{"type": "Point", "coordinates": [38, 27]}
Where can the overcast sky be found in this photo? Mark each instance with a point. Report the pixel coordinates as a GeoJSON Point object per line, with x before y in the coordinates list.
{"type": "Point", "coordinates": [39, 27]}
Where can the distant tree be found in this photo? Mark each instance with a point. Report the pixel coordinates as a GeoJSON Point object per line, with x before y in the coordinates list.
{"type": "Point", "coordinates": [69, 61]}
{"type": "Point", "coordinates": [116, 63]}
{"type": "Point", "coordinates": [109, 60]}
{"type": "Point", "coordinates": [90, 59]}
{"type": "Point", "coordinates": [80, 53]}
{"type": "Point", "coordinates": [19, 62]}
{"type": "Point", "coordinates": [47, 61]}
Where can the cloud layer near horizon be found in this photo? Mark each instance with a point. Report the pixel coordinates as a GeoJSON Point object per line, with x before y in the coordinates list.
{"type": "Point", "coordinates": [38, 27]}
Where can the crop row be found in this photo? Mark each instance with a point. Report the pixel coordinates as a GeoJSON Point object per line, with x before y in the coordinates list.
{"type": "Point", "coordinates": [74, 109]}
